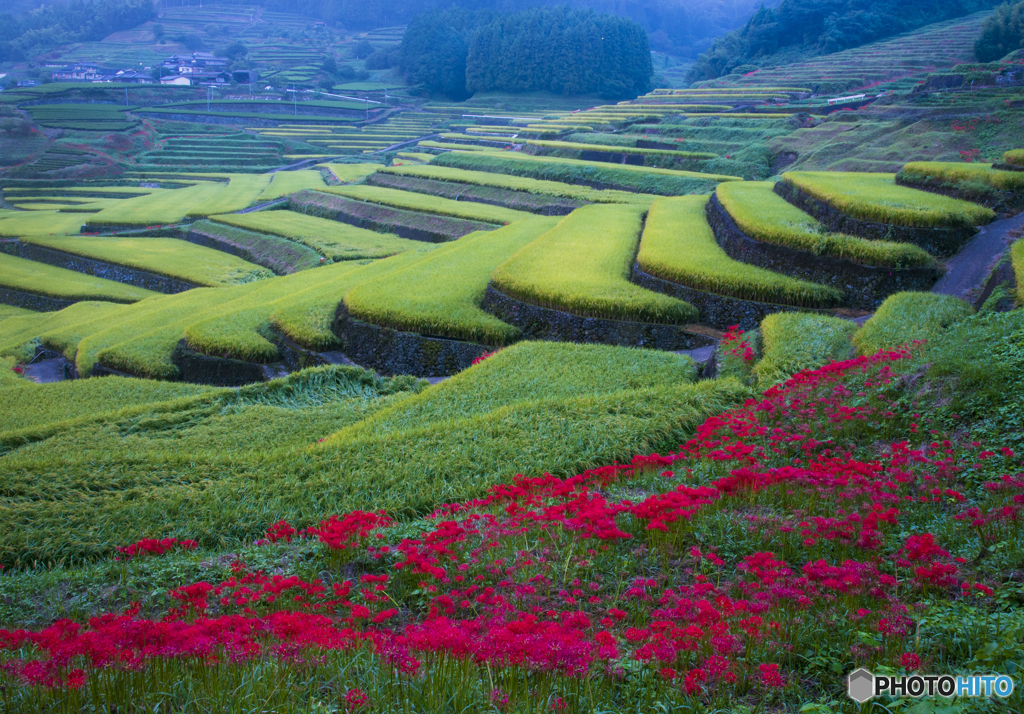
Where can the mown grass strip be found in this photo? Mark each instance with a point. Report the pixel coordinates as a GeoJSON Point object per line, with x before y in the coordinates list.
{"type": "Point", "coordinates": [792, 342]}
{"type": "Point", "coordinates": [441, 294]}
{"type": "Point", "coordinates": [41, 279]}
{"type": "Point", "coordinates": [909, 316]}
{"type": "Point", "coordinates": [582, 269]}
{"type": "Point", "coordinates": [573, 146]}
{"type": "Point", "coordinates": [678, 245]}
{"type": "Point", "coordinates": [765, 216]}
{"type": "Point", "coordinates": [619, 176]}
{"type": "Point", "coordinates": [877, 198]}
{"type": "Point", "coordinates": [163, 256]}
{"type": "Point", "coordinates": [332, 239]}
{"type": "Point", "coordinates": [430, 204]}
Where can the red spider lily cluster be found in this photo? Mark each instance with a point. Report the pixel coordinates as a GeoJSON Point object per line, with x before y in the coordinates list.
{"type": "Point", "coordinates": [608, 574]}
{"type": "Point", "coordinates": [152, 546]}
{"type": "Point", "coordinates": [970, 155]}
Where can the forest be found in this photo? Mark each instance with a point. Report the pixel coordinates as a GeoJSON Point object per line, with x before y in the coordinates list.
{"type": "Point", "coordinates": [77, 21]}
{"type": "Point", "coordinates": [1002, 33]}
{"type": "Point", "coordinates": [815, 27]}
{"type": "Point", "coordinates": [559, 49]}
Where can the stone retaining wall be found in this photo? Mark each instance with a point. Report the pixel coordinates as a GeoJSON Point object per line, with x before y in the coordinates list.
{"type": "Point", "coordinates": [546, 324]}
{"type": "Point", "coordinates": [218, 371]}
{"type": "Point", "coordinates": [864, 286]}
{"type": "Point", "coordinates": [100, 269]}
{"type": "Point", "coordinates": [937, 241]}
{"type": "Point", "coordinates": [31, 301]}
{"type": "Point", "coordinates": [516, 200]}
{"type": "Point", "coordinates": [719, 311]}
{"type": "Point", "coordinates": [391, 351]}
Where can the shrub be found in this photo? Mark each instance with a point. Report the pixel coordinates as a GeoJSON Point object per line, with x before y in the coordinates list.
{"type": "Point", "coordinates": [875, 197]}
{"type": "Point", "coordinates": [765, 216]}
{"type": "Point", "coordinates": [575, 268]}
{"type": "Point", "coordinates": [1014, 157]}
{"type": "Point", "coordinates": [441, 294]}
{"type": "Point", "coordinates": [909, 316]}
{"type": "Point", "coordinates": [679, 246]}
{"type": "Point", "coordinates": [792, 342]}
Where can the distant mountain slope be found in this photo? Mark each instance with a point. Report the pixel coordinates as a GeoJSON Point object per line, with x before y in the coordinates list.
{"type": "Point", "coordinates": [798, 29]}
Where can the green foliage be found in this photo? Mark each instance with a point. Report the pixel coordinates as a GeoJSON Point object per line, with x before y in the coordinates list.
{"type": "Point", "coordinates": [907, 317]}
{"type": "Point", "coordinates": [876, 197]}
{"type": "Point", "coordinates": [164, 256]}
{"type": "Point", "coordinates": [1001, 34]}
{"type": "Point", "coordinates": [641, 179]}
{"type": "Point", "coordinates": [953, 172]}
{"type": "Point", "coordinates": [578, 269]}
{"type": "Point", "coordinates": [678, 245]}
{"type": "Point", "coordinates": [430, 204]}
{"type": "Point", "coordinates": [42, 29]}
{"type": "Point", "coordinates": [792, 342]}
{"type": "Point", "coordinates": [333, 239]}
{"type": "Point", "coordinates": [520, 183]}
{"type": "Point", "coordinates": [434, 48]}
{"type": "Point", "coordinates": [1014, 157]}
{"type": "Point", "coordinates": [765, 216]}
{"type": "Point", "coordinates": [555, 49]}
{"type": "Point", "coordinates": [441, 294]}
{"type": "Point", "coordinates": [42, 279]}
{"type": "Point", "coordinates": [528, 371]}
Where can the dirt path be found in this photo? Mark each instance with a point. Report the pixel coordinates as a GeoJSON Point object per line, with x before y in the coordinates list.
{"type": "Point", "coordinates": [968, 270]}
{"type": "Point", "coordinates": [50, 370]}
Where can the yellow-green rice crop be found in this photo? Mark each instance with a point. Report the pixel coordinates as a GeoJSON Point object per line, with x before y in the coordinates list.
{"type": "Point", "coordinates": [413, 156]}
{"type": "Point", "coordinates": [525, 372]}
{"type": "Point", "coordinates": [456, 147]}
{"type": "Point", "coordinates": [64, 336]}
{"type": "Point", "coordinates": [350, 173]}
{"type": "Point", "coordinates": [679, 246]}
{"type": "Point", "coordinates": [21, 223]}
{"type": "Point", "coordinates": [877, 198]}
{"type": "Point", "coordinates": [909, 316]}
{"type": "Point", "coordinates": [622, 149]}
{"type": "Point", "coordinates": [1014, 157]}
{"type": "Point", "coordinates": [12, 311]}
{"type": "Point", "coordinates": [161, 207]}
{"type": "Point", "coordinates": [163, 256]}
{"type": "Point", "coordinates": [1017, 260]}
{"type": "Point", "coordinates": [441, 294]}
{"type": "Point", "coordinates": [582, 266]}
{"type": "Point", "coordinates": [285, 182]}
{"type": "Point", "coordinates": [430, 204]}
{"type": "Point", "coordinates": [241, 192]}
{"type": "Point", "coordinates": [307, 317]}
{"type": "Point", "coordinates": [792, 342]}
{"type": "Point", "coordinates": [765, 216]}
{"type": "Point", "coordinates": [333, 239]}
{"type": "Point", "coordinates": [521, 183]}
{"type": "Point", "coordinates": [42, 279]}
{"type": "Point", "coordinates": [952, 172]}
{"type": "Point", "coordinates": [18, 331]}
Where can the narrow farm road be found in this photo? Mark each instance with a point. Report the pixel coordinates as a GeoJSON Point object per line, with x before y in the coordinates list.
{"type": "Point", "coordinates": [967, 271]}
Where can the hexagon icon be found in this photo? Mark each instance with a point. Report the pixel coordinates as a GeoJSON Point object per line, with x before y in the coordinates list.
{"type": "Point", "coordinates": [860, 685]}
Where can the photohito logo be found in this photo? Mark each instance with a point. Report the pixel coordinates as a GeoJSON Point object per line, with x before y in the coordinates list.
{"type": "Point", "coordinates": [862, 685]}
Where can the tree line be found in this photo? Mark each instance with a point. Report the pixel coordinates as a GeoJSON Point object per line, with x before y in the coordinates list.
{"type": "Point", "coordinates": [27, 34]}
{"type": "Point", "coordinates": [814, 27]}
{"type": "Point", "coordinates": [1002, 33]}
{"type": "Point", "coordinates": [566, 50]}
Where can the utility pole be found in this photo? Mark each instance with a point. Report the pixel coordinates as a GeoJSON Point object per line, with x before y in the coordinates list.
{"type": "Point", "coordinates": [126, 95]}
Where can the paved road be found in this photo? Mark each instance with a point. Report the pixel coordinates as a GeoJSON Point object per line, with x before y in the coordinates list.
{"type": "Point", "coordinates": [968, 270]}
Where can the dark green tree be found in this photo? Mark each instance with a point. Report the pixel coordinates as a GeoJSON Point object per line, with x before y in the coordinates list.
{"type": "Point", "coordinates": [1001, 34]}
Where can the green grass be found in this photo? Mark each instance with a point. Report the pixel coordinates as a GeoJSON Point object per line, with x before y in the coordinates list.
{"type": "Point", "coordinates": [241, 192]}
{"type": "Point", "coordinates": [441, 294]}
{"type": "Point", "coordinates": [519, 183]}
{"type": "Point", "coordinates": [83, 490]}
{"type": "Point", "coordinates": [1017, 261]}
{"type": "Point", "coordinates": [18, 332]}
{"type": "Point", "coordinates": [24, 223]}
{"type": "Point", "coordinates": [350, 173]}
{"type": "Point", "coordinates": [635, 178]}
{"type": "Point", "coordinates": [164, 256]}
{"type": "Point", "coordinates": [526, 372]}
{"type": "Point", "coordinates": [877, 198]}
{"type": "Point", "coordinates": [678, 245]}
{"type": "Point", "coordinates": [792, 342]}
{"type": "Point", "coordinates": [953, 172]}
{"type": "Point", "coordinates": [909, 316]}
{"type": "Point", "coordinates": [281, 255]}
{"type": "Point", "coordinates": [765, 216]}
{"type": "Point", "coordinates": [162, 207]}
{"type": "Point", "coordinates": [308, 316]}
{"type": "Point", "coordinates": [583, 270]}
{"type": "Point", "coordinates": [430, 204]}
{"type": "Point", "coordinates": [573, 146]}
{"type": "Point", "coordinates": [333, 239]}
{"type": "Point", "coordinates": [1014, 157]}
{"type": "Point", "coordinates": [285, 182]}
{"type": "Point", "coordinates": [41, 279]}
